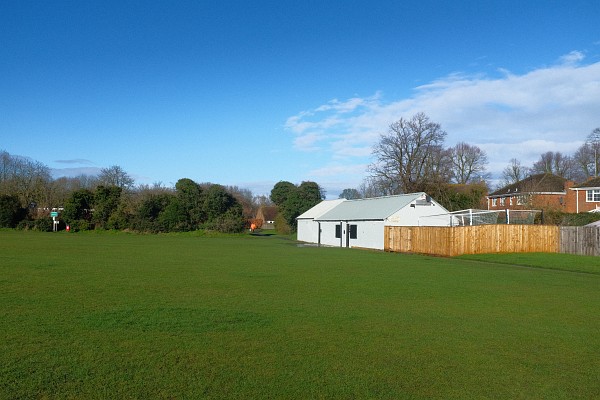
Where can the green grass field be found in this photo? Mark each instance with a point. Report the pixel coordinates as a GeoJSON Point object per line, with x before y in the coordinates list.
{"type": "Point", "coordinates": [107, 316]}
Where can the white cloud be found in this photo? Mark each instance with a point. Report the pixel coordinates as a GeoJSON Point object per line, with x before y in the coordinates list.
{"type": "Point", "coordinates": [337, 170]}
{"type": "Point", "coordinates": [511, 116]}
{"type": "Point", "coordinates": [573, 57]}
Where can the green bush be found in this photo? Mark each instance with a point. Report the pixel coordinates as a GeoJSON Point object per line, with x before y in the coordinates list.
{"type": "Point", "coordinates": [118, 219]}
{"type": "Point", "coordinates": [11, 212]}
{"type": "Point", "coordinates": [232, 221]}
{"type": "Point", "coordinates": [560, 218]}
{"type": "Point", "coordinates": [43, 224]}
{"type": "Point", "coordinates": [26, 225]}
{"type": "Point", "coordinates": [80, 225]}
{"type": "Point", "coordinates": [281, 225]}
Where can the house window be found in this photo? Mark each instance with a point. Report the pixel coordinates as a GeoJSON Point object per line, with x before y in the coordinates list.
{"type": "Point", "coordinates": [494, 202]}
{"type": "Point", "coordinates": [593, 195]}
{"type": "Point", "coordinates": [502, 201]}
{"type": "Point", "coordinates": [510, 201]}
{"type": "Point", "coordinates": [338, 231]}
{"type": "Point", "coordinates": [521, 200]}
{"type": "Point", "coordinates": [353, 231]}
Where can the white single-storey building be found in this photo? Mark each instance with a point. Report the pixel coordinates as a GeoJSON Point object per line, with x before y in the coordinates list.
{"type": "Point", "coordinates": [306, 232]}
{"type": "Point", "coordinates": [360, 223]}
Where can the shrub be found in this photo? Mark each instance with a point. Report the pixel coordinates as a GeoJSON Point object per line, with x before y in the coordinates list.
{"type": "Point", "coordinates": [232, 221]}
{"type": "Point", "coordinates": [281, 225]}
{"type": "Point", "coordinates": [11, 212]}
{"type": "Point", "coordinates": [80, 225]}
{"type": "Point", "coordinates": [552, 217]}
{"type": "Point", "coordinates": [43, 224]}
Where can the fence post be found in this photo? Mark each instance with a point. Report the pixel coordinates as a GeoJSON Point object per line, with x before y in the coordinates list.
{"type": "Point", "coordinates": [507, 217]}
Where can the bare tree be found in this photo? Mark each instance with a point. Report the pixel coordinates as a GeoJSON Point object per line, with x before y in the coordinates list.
{"type": "Point", "coordinates": [593, 143]}
{"type": "Point", "coordinates": [245, 197]}
{"type": "Point", "coordinates": [584, 161]}
{"type": "Point", "coordinates": [514, 172]}
{"type": "Point", "coordinates": [26, 178]}
{"type": "Point", "coordinates": [408, 157]}
{"type": "Point", "coordinates": [115, 176]}
{"type": "Point", "coordinates": [468, 163]}
{"type": "Point", "coordinates": [555, 163]}
{"type": "Point", "coordinates": [372, 187]}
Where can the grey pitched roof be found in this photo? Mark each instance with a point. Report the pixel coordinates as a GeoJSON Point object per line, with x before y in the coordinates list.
{"type": "Point", "coordinates": [320, 209]}
{"type": "Point", "coordinates": [378, 208]}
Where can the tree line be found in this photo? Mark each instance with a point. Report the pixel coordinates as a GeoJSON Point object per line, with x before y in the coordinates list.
{"type": "Point", "coordinates": [411, 157]}
{"type": "Point", "coordinates": [580, 166]}
{"type": "Point", "coordinates": [111, 200]}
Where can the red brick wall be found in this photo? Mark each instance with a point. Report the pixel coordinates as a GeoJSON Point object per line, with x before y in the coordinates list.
{"type": "Point", "coordinates": [580, 196]}
{"type": "Point", "coordinates": [567, 202]}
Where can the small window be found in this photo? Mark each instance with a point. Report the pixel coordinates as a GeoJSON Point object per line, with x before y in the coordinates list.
{"type": "Point", "coordinates": [593, 195]}
{"type": "Point", "coordinates": [510, 201]}
{"type": "Point", "coordinates": [502, 201]}
{"type": "Point", "coordinates": [353, 231]}
{"type": "Point", "coordinates": [338, 231]}
{"type": "Point", "coordinates": [494, 202]}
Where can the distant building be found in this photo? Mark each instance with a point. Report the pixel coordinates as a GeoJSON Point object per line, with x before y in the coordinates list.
{"type": "Point", "coordinates": [267, 215]}
{"type": "Point", "coordinates": [541, 191]}
{"type": "Point", "coordinates": [360, 223]}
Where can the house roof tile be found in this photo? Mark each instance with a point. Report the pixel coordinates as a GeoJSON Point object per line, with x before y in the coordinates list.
{"type": "Point", "coordinates": [591, 183]}
{"type": "Point", "coordinates": [540, 183]}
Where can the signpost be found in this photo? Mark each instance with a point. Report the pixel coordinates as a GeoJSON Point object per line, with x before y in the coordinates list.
{"type": "Point", "coordinates": [54, 214]}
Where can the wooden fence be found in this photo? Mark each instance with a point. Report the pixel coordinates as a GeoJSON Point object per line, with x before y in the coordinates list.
{"type": "Point", "coordinates": [453, 241]}
{"type": "Point", "coordinates": [582, 240]}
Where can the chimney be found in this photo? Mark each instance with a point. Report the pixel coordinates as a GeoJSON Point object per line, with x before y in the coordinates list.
{"type": "Point", "coordinates": [569, 184]}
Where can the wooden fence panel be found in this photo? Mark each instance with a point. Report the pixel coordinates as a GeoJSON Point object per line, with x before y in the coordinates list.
{"type": "Point", "coordinates": [453, 241]}
{"type": "Point", "coordinates": [582, 240]}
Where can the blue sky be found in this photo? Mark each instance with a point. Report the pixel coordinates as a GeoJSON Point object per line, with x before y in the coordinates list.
{"type": "Point", "coordinates": [251, 93]}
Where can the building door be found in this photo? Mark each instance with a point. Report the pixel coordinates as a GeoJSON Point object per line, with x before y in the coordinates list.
{"type": "Point", "coordinates": [347, 234]}
{"type": "Point", "coordinates": [319, 234]}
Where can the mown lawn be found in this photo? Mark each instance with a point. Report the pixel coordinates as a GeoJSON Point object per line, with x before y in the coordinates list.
{"type": "Point", "coordinates": [102, 316]}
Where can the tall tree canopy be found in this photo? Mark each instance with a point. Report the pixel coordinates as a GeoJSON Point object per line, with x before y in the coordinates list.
{"type": "Point", "coordinates": [410, 157]}
{"type": "Point", "coordinates": [514, 172]}
{"type": "Point", "coordinates": [116, 176]}
{"type": "Point", "coordinates": [468, 163]}
{"type": "Point", "coordinates": [281, 191]}
{"type": "Point", "coordinates": [350, 194]}
{"type": "Point", "coordinates": [293, 200]}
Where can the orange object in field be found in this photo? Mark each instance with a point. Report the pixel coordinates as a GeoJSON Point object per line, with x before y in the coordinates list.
{"type": "Point", "coordinates": [252, 227]}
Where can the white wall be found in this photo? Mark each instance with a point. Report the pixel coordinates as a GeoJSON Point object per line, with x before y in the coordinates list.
{"type": "Point", "coordinates": [308, 231]}
{"type": "Point", "coordinates": [328, 234]}
{"type": "Point", "coordinates": [369, 234]}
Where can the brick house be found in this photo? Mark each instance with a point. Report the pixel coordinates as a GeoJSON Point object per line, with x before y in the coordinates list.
{"type": "Point", "coordinates": [541, 191]}
{"type": "Point", "coordinates": [586, 196]}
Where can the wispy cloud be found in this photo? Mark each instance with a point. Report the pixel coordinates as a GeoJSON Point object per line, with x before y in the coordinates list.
{"type": "Point", "coordinates": [552, 108]}
{"type": "Point", "coordinates": [574, 57]}
{"type": "Point", "coordinates": [80, 161]}
{"type": "Point", "coordinates": [73, 172]}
